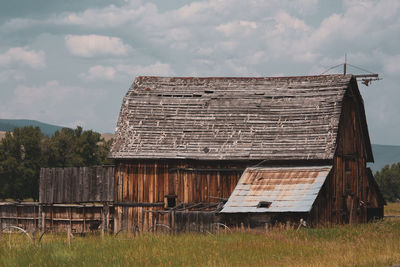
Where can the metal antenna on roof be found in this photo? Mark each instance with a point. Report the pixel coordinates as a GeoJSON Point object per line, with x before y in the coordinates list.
{"type": "Point", "coordinates": [365, 79]}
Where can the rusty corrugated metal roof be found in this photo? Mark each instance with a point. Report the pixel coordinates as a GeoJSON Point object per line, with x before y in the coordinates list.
{"type": "Point", "coordinates": [284, 189]}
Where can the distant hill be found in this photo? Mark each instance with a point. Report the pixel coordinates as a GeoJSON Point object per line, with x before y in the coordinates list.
{"type": "Point", "coordinates": [107, 136]}
{"type": "Point", "coordinates": [383, 155]}
{"type": "Point", "coordinates": [47, 129]}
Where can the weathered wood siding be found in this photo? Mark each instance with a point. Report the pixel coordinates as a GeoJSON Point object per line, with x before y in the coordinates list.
{"type": "Point", "coordinates": [76, 185]}
{"type": "Point", "coordinates": [145, 183]}
{"type": "Point", "coordinates": [345, 196]}
{"type": "Point", "coordinates": [24, 215]}
{"type": "Point", "coordinates": [55, 218]}
{"type": "Point", "coordinates": [81, 218]}
{"type": "Point", "coordinates": [139, 219]}
{"type": "Point", "coordinates": [157, 219]}
{"type": "Point", "coordinates": [191, 181]}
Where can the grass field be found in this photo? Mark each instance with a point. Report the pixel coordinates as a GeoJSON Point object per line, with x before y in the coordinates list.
{"type": "Point", "coordinates": [374, 244]}
{"type": "Point", "coordinates": [392, 209]}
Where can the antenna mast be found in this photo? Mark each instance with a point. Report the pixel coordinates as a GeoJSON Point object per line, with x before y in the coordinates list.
{"type": "Point", "coordinates": [366, 78]}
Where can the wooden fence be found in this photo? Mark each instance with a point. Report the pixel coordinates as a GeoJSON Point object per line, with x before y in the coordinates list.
{"type": "Point", "coordinates": [156, 219]}
{"type": "Point", "coordinates": [76, 185]}
{"type": "Point", "coordinates": [80, 218]}
{"type": "Point", "coordinates": [25, 215]}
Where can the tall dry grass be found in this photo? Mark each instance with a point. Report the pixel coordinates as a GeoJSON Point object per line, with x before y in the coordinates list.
{"type": "Point", "coordinates": [374, 244]}
{"type": "Point", "coordinates": [392, 209]}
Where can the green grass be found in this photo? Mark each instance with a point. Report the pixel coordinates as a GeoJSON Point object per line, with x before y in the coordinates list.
{"type": "Point", "coordinates": [375, 244]}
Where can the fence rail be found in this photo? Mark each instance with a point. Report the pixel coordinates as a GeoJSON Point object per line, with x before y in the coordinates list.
{"type": "Point", "coordinates": [80, 218]}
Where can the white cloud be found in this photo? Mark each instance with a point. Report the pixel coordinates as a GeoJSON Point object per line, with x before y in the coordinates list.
{"type": "Point", "coordinates": [285, 21]}
{"type": "Point", "coordinates": [363, 25]}
{"type": "Point", "coordinates": [392, 64]}
{"type": "Point", "coordinates": [18, 24]}
{"type": "Point", "coordinates": [7, 75]}
{"type": "Point", "coordinates": [156, 69]}
{"type": "Point", "coordinates": [121, 71]}
{"type": "Point", "coordinates": [242, 27]}
{"type": "Point", "coordinates": [24, 56]}
{"type": "Point", "coordinates": [29, 96]}
{"type": "Point", "coordinates": [110, 16]}
{"type": "Point", "coordinates": [99, 72]}
{"type": "Point", "coordinates": [92, 45]}
{"type": "Point", "coordinates": [305, 6]}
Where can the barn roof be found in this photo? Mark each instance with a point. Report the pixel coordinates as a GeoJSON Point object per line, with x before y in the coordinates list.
{"type": "Point", "coordinates": [285, 189]}
{"type": "Point", "coordinates": [278, 118]}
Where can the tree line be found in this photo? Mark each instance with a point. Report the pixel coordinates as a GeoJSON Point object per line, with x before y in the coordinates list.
{"type": "Point", "coordinates": [25, 150]}
{"type": "Point", "coordinates": [388, 180]}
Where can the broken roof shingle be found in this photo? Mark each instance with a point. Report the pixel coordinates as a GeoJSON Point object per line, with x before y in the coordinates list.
{"type": "Point", "coordinates": [279, 118]}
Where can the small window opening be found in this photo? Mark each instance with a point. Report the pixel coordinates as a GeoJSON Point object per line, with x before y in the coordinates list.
{"type": "Point", "coordinates": [347, 165]}
{"type": "Point", "coordinates": [169, 201]}
{"type": "Point", "coordinates": [264, 204]}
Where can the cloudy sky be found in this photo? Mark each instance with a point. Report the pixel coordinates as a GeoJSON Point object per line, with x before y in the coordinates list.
{"type": "Point", "coordinates": [71, 62]}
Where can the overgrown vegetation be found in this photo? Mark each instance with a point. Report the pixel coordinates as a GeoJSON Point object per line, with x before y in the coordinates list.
{"type": "Point", "coordinates": [25, 150]}
{"type": "Point", "coordinates": [374, 244]}
{"type": "Point", "coordinates": [388, 180]}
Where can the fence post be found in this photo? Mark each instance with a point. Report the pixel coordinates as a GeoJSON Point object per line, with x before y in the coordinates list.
{"type": "Point", "coordinates": [102, 232]}
{"type": "Point", "coordinates": [103, 221]}
{"type": "Point", "coordinates": [43, 220]}
{"type": "Point", "coordinates": [69, 235]}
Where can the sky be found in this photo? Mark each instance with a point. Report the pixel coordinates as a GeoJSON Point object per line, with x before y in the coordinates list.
{"type": "Point", "coordinates": [70, 63]}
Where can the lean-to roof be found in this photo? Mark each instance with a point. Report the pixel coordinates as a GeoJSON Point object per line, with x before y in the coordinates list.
{"type": "Point", "coordinates": [286, 189]}
{"type": "Point", "coordinates": [279, 118]}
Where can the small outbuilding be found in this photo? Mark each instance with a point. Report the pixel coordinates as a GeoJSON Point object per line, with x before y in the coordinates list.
{"type": "Point", "coordinates": [280, 148]}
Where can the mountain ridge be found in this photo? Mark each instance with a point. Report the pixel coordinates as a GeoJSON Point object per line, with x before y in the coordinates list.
{"type": "Point", "coordinates": [8, 125]}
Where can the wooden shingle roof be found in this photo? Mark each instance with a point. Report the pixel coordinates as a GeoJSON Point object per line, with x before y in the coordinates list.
{"type": "Point", "coordinates": [279, 118]}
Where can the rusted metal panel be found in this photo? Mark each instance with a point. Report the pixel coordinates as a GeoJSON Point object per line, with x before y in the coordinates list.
{"type": "Point", "coordinates": [283, 189]}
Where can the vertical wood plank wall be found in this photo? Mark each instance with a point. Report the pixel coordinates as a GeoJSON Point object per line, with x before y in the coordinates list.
{"type": "Point", "coordinates": [76, 184]}
{"type": "Point", "coordinates": [345, 196]}
{"type": "Point", "coordinates": [77, 196]}
{"type": "Point", "coordinates": [144, 184]}
{"type": "Point", "coordinates": [149, 182]}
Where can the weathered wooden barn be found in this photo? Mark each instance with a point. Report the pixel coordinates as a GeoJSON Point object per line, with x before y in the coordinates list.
{"type": "Point", "coordinates": [280, 148]}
